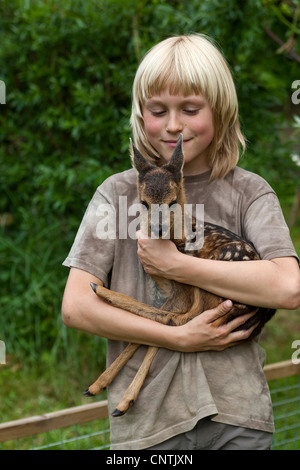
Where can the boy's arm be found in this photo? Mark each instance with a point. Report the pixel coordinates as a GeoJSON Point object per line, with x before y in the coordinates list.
{"type": "Point", "coordinates": [83, 310]}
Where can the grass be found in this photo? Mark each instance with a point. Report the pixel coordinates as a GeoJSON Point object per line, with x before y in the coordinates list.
{"type": "Point", "coordinates": [286, 407]}
{"type": "Point", "coordinates": [279, 334]}
{"type": "Point", "coordinates": [38, 389]}
{"type": "Point", "coordinates": [89, 436]}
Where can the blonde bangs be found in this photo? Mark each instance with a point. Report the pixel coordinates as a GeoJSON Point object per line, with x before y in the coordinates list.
{"type": "Point", "coordinates": [178, 67]}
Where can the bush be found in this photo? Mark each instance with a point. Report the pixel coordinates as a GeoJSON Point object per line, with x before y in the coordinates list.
{"type": "Point", "coordinates": [68, 69]}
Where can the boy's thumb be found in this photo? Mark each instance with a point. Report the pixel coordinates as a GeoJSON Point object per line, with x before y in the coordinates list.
{"type": "Point", "coordinates": [222, 308]}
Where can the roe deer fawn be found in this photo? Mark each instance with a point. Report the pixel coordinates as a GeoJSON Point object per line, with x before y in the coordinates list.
{"type": "Point", "coordinates": [164, 185]}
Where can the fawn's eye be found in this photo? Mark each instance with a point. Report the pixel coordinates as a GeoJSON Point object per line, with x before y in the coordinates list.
{"type": "Point", "coordinates": [145, 204]}
{"type": "Point", "coordinates": [173, 203]}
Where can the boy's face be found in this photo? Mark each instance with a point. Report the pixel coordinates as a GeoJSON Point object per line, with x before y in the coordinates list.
{"type": "Point", "coordinates": [167, 116]}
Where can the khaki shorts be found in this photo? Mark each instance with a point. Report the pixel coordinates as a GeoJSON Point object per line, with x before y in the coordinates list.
{"type": "Point", "coordinates": [209, 435]}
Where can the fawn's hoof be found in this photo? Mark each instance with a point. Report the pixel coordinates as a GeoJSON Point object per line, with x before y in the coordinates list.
{"type": "Point", "coordinates": [87, 393]}
{"type": "Point", "coordinates": [93, 286]}
{"type": "Point", "coordinates": [117, 413]}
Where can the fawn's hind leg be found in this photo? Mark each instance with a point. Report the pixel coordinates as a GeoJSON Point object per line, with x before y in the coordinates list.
{"type": "Point", "coordinates": [133, 390]}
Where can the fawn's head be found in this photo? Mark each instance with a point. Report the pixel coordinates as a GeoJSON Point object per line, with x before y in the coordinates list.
{"type": "Point", "coordinates": [161, 194]}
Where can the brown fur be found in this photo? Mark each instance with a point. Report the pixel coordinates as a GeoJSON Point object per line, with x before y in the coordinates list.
{"type": "Point", "coordinates": [164, 185]}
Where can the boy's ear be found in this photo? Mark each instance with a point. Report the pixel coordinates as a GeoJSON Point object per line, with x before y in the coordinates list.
{"type": "Point", "coordinates": [175, 165]}
{"type": "Point", "coordinates": [140, 163]}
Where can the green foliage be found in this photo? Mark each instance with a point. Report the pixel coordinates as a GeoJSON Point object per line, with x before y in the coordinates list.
{"type": "Point", "coordinates": [68, 68]}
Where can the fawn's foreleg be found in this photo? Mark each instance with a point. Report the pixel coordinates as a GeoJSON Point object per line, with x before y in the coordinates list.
{"type": "Point", "coordinates": [110, 373]}
{"type": "Point", "coordinates": [167, 317]}
{"type": "Point", "coordinates": [133, 390]}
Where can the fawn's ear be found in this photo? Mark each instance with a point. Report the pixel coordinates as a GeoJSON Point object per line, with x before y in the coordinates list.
{"type": "Point", "coordinates": [140, 163]}
{"type": "Point", "coordinates": [175, 165]}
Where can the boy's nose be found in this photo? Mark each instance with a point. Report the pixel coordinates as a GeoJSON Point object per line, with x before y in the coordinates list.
{"type": "Point", "coordinates": [174, 124]}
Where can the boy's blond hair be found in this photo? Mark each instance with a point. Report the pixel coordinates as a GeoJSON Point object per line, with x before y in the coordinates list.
{"type": "Point", "coordinates": [191, 65]}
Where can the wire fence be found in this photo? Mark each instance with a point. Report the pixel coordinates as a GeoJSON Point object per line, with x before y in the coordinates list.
{"type": "Point", "coordinates": [92, 436]}
{"type": "Point", "coordinates": [86, 427]}
{"type": "Point", "coordinates": [285, 395]}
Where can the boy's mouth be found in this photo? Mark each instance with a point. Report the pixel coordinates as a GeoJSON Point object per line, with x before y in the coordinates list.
{"type": "Point", "coordinates": [172, 143]}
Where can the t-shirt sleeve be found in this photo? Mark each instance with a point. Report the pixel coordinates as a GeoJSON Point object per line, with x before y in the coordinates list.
{"type": "Point", "coordinates": [94, 244]}
{"type": "Point", "coordinates": [266, 228]}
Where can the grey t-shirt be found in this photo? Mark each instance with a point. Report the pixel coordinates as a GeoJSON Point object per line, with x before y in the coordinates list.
{"type": "Point", "coordinates": [181, 388]}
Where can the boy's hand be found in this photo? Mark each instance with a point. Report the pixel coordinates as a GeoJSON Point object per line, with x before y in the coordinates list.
{"type": "Point", "coordinates": [157, 256]}
{"type": "Point", "coordinates": [200, 334]}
